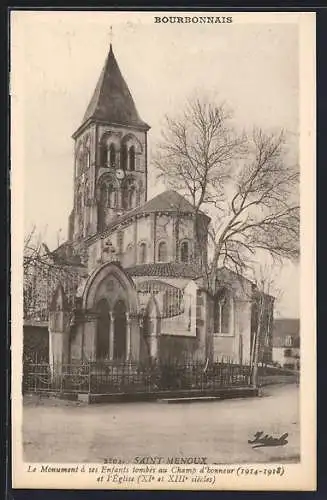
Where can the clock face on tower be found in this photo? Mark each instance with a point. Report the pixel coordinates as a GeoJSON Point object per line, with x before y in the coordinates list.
{"type": "Point", "coordinates": [120, 174]}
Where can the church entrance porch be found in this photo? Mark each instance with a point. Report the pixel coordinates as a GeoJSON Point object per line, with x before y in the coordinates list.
{"type": "Point", "coordinates": [110, 328]}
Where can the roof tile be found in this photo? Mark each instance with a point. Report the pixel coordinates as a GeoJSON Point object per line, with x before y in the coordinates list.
{"type": "Point", "coordinates": [169, 269]}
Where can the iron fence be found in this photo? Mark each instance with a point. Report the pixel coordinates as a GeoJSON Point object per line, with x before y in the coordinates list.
{"type": "Point", "coordinates": [109, 377]}
{"type": "Point", "coordinates": [37, 377]}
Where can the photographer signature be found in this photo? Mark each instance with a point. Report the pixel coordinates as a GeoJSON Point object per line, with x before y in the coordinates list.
{"type": "Point", "coordinates": [262, 440]}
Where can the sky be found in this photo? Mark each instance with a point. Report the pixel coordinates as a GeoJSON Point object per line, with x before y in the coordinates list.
{"type": "Point", "coordinates": [253, 67]}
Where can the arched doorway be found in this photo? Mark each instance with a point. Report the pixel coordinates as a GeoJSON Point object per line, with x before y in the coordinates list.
{"type": "Point", "coordinates": [103, 328]}
{"type": "Point", "coordinates": [120, 330]}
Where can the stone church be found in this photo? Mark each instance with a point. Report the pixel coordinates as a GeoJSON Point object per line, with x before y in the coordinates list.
{"type": "Point", "coordinates": [140, 292]}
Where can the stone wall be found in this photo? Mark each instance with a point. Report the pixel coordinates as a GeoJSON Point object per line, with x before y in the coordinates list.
{"type": "Point", "coordinates": [237, 344]}
{"type": "Point", "coordinates": [150, 229]}
{"type": "Point", "coordinates": [177, 348]}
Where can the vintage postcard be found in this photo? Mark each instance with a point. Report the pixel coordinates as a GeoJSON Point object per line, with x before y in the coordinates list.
{"type": "Point", "coordinates": [163, 250]}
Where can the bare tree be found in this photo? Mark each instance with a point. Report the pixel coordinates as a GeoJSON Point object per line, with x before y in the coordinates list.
{"type": "Point", "coordinates": [43, 271]}
{"type": "Point", "coordinates": [197, 150]}
{"type": "Point", "coordinates": [32, 247]}
{"type": "Point", "coordinates": [264, 296]}
{"type": "Point", "coordinates": [246, 179]}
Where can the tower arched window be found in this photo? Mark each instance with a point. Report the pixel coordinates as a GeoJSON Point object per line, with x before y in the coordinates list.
{"type": "Point", "coordinates": [86, 194]}
{"type": "Point", "coordinates": [112, 156]}
{"type": "Point", "coordinates": [142, 253]}
{"type": "Point", "coordinates": [101, 210]}
{"type": "Point", "coordinates": [80, 162]}
{"type": "Point", "coordinates": [87, 158]}
{"type": "Point", "coordinates": [129, 195]}
{"type": "Point", "coordinates": [132, 197]}
{"type": "Point", "coordinates": [103, 195]}
{"type": "Point", "coordinates": [185, 253]}
{"type": "Point", "coordinates": [123, 157]}
{"type": "Point", "coordinates": [112, 201]}
{"type": "Point", "coordinates": [162, 251]}
{"type": "Point", "coordinates": [103, 155]}
{"type": "Point", "coordinates": [125, 199]}
{"type": "Point", "coordinates": [132, 158]}
{"type": "Point", "coordinates": [79, 199]}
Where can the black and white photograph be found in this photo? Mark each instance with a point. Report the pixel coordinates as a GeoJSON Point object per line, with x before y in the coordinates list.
{"type": "Point", "coordinates": [163, 311]}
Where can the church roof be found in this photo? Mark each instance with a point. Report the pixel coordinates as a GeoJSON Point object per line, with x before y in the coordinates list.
{"type": "Point", "coordinates": [168, 269]}
{"type": "Point", "coordinates": [112, 100]}
{"type": "Point", "coordinates": [168, 201]}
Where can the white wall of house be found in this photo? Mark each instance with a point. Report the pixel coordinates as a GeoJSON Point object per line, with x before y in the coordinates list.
{"type": "Point", "coordinates": [286, 356]}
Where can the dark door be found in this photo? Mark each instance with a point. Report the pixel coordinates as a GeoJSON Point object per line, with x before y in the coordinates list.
{"type": "Point", "coordinates": [103, 327]}
{"type": "Point", "coordinates": [120, 331]}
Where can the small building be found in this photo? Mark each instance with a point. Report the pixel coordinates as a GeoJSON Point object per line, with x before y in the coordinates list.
{"type": "Point", "coordinates": [286, 343]}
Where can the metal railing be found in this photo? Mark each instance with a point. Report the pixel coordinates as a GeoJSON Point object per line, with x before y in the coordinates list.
{"type": "Point", "coordinates": [108, 377]}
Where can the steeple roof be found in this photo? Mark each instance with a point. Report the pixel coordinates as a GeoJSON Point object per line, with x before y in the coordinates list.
{"type": "Point", "coordinates": [112, 101]}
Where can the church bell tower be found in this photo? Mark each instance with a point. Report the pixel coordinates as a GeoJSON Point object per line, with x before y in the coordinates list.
{"type": "Point", "coordinates": [110, 157]}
